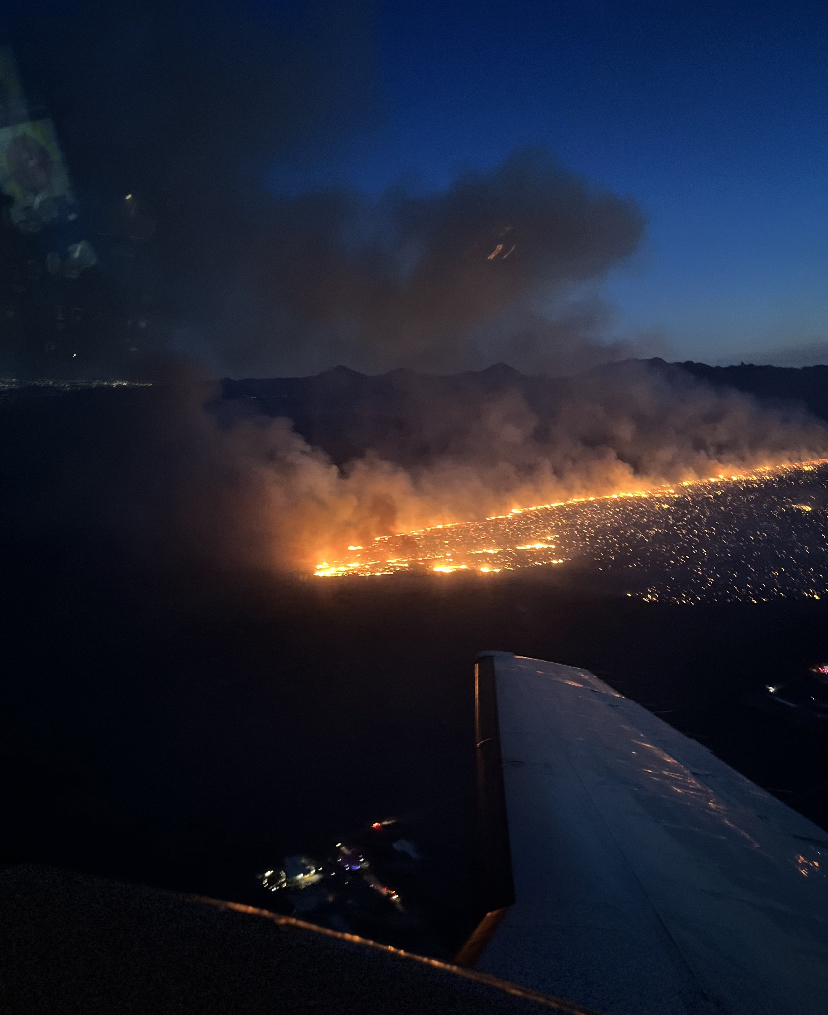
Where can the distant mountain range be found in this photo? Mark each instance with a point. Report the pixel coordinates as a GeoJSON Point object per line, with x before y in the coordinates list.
{"type": "Point", "coordinates": [405, 414]}
{"type": "Point", "coordinates": [806, 385]}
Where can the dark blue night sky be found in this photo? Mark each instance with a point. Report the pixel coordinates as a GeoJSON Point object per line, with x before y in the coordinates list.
{"type": "Point", "coordinates": [711, 115]}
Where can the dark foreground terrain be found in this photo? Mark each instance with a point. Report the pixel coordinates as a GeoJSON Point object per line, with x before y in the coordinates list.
{"type": "Point", "coordinates": [187, 731]}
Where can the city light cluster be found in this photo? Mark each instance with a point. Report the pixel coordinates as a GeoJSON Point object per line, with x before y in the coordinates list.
{"type": "Point", "coordinates": [15, 384]}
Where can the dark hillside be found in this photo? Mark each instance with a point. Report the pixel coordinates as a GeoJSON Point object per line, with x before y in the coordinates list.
{"type": "Point", "coordinates": [807, 385]}
{"type": "Point", "coordinates": [409, 417]}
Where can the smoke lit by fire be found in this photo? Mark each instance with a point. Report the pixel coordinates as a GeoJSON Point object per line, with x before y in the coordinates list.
{"type": "Point", "coordinates": [738, 536]}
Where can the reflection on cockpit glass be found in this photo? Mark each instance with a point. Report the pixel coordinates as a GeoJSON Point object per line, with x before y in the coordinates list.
{"type": "Point", "coordinates": [376, 884]}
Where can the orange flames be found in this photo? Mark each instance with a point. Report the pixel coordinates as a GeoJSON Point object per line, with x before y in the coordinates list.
{"type": "Point", "coordinates": [451, 546]}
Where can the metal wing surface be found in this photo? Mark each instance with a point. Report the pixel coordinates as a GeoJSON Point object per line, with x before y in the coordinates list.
{"type": "Point", "coordinates": [649, 876]}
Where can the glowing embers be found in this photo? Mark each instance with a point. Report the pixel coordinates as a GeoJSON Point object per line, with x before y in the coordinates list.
{"type": "Point", "coordinates": [805, 866]}
{"type": "Point", "coordinates": [326, 570]}
{"type": "Point", "coordinates": [743, 539]}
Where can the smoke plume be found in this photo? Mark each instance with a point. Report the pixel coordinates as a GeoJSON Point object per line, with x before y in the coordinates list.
{"type": "Point", "coordinates": [212, 479]}
{"type": "Point", "coordinates": [501, 265]}
{"type": "Point", "coordinates": [190, 107]}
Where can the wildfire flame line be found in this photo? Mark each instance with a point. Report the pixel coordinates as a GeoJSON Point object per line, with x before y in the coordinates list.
{"type": "Point", "coordinates": [446, 565]}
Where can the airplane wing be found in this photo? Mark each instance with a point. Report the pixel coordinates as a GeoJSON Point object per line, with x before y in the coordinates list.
{"type": "Point", "coordinates": [648, 876]}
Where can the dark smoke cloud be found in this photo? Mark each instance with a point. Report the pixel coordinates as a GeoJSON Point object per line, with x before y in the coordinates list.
{"type": "Point", "coordinates": [188, 106]}
{"type": "Point", "coordinates": [188, 102]}
{"type": "Point", "coordinates": [502, 265]}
